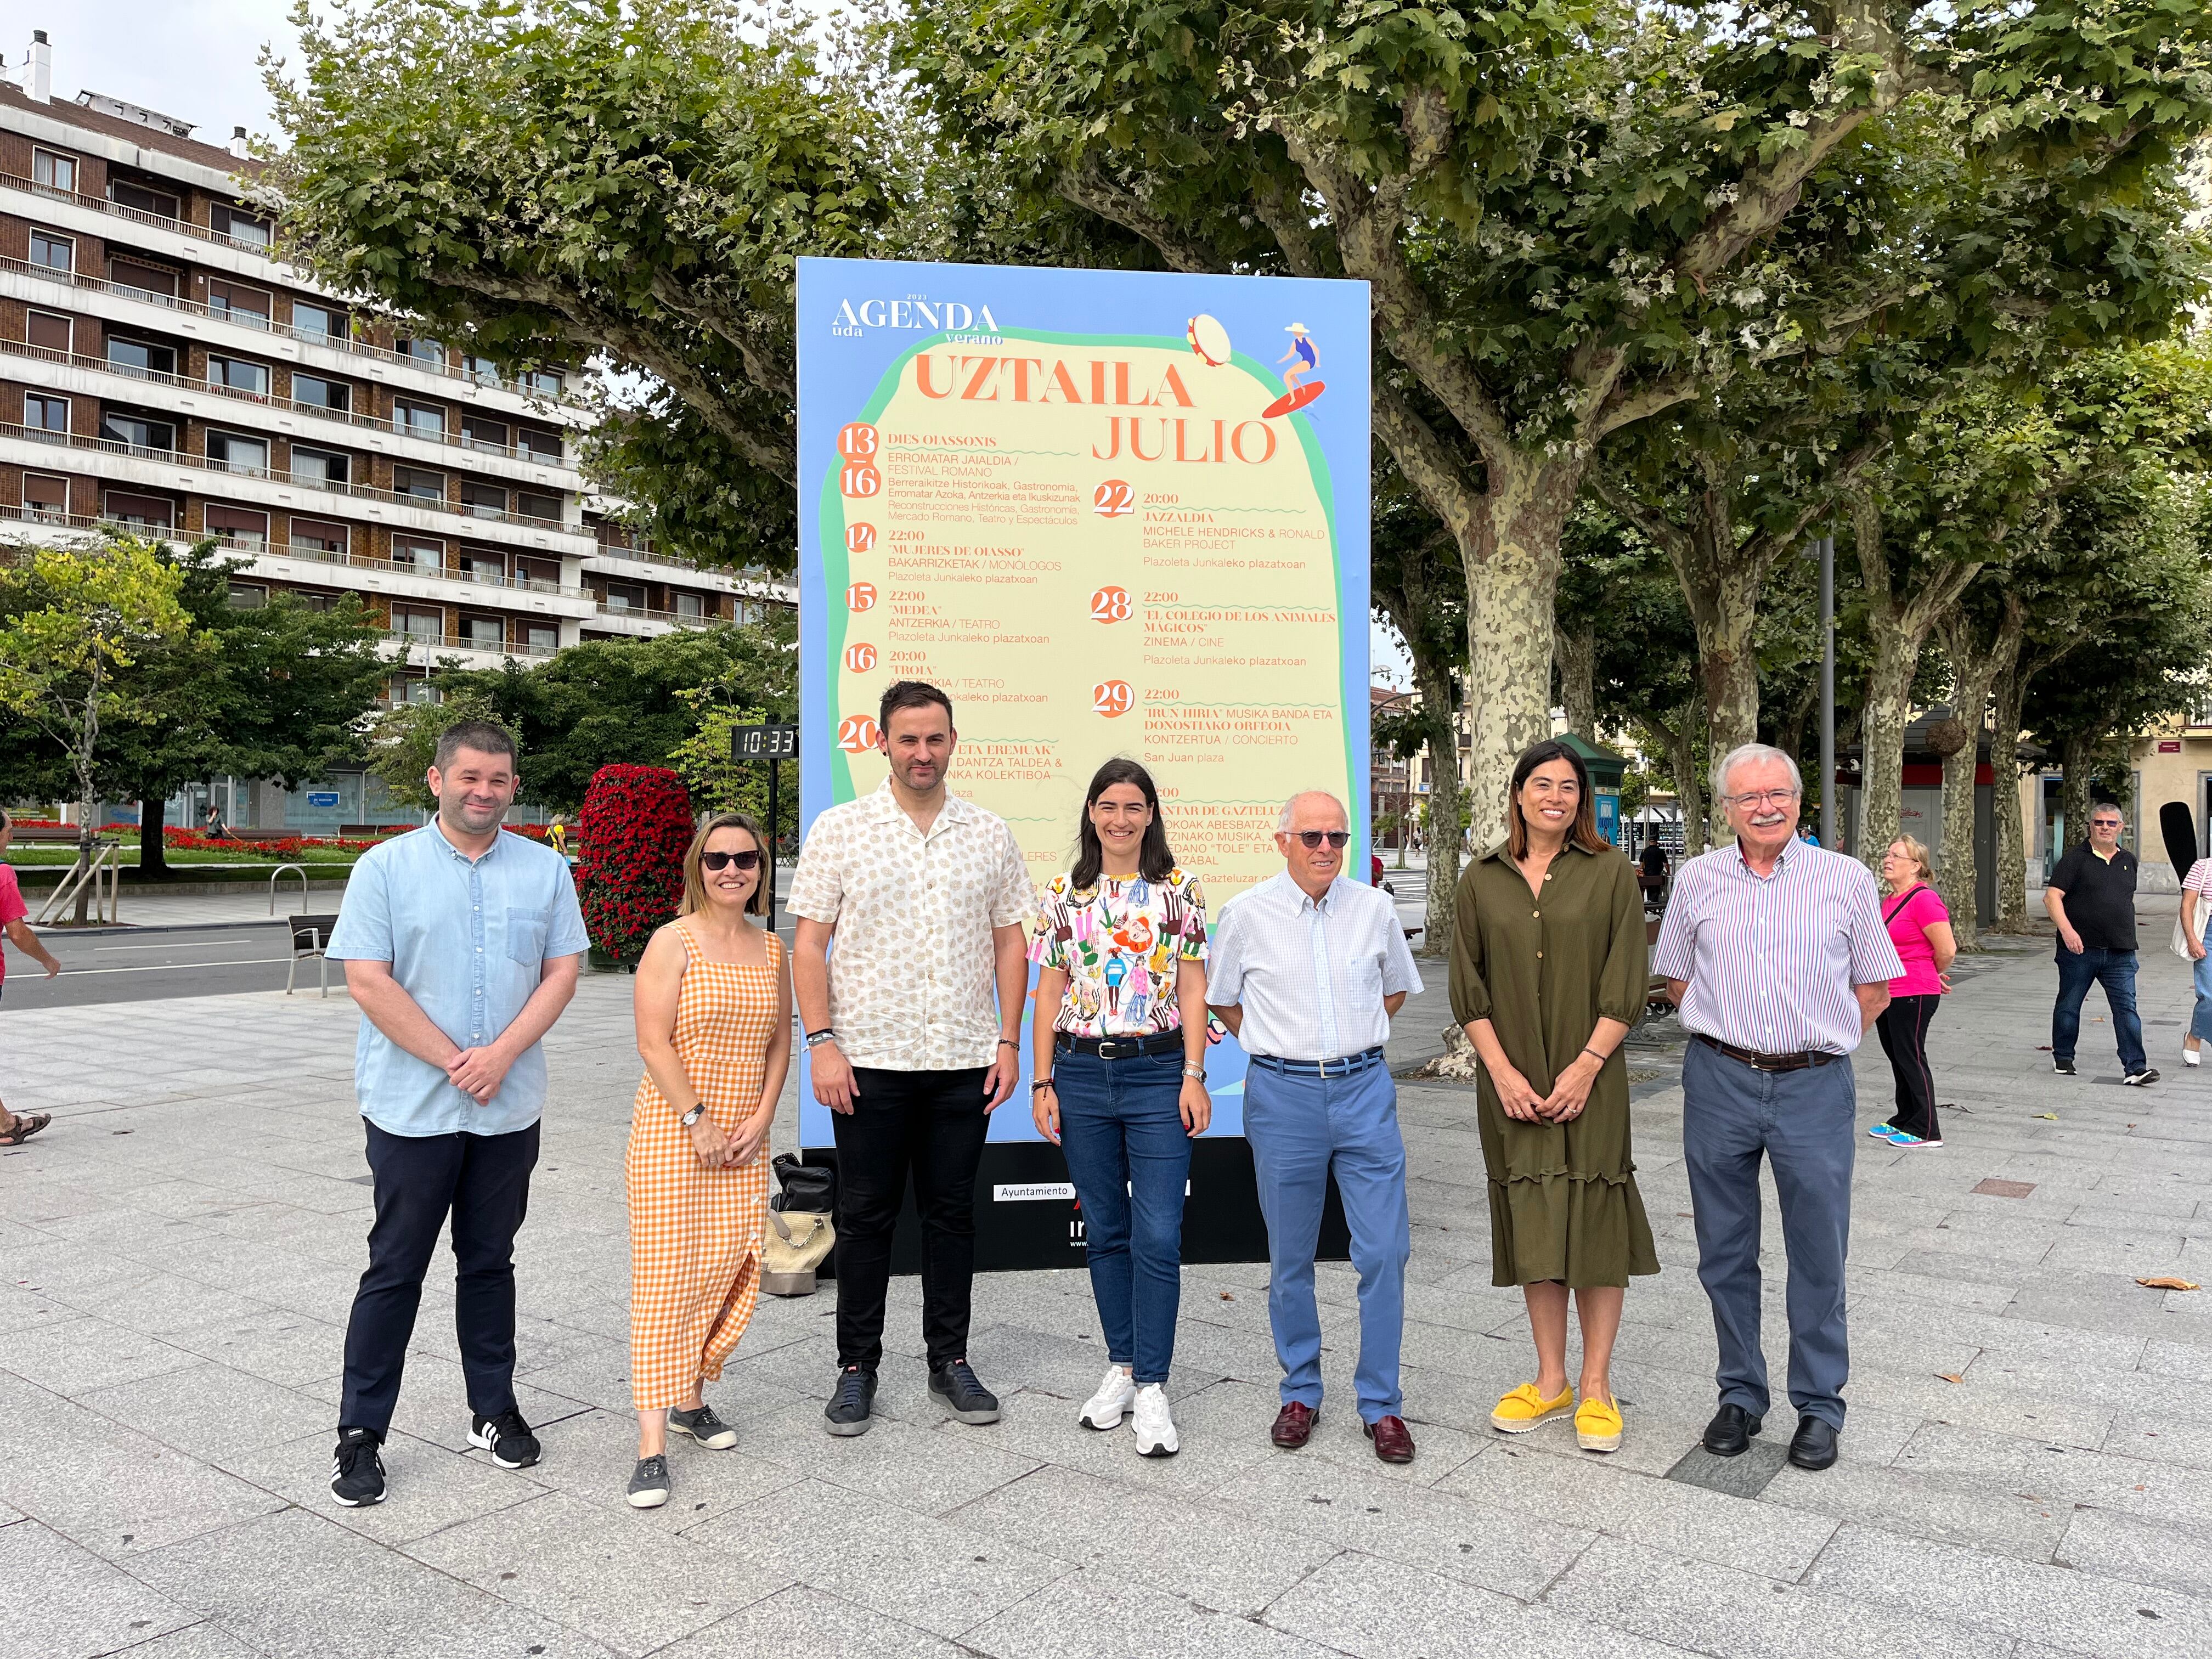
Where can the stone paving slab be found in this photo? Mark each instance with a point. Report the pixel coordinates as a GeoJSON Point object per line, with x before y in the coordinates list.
{"type": "Point", "coordinates": [181, 1249]}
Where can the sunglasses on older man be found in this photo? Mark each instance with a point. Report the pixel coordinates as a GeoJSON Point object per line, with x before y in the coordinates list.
{"type": "Point", "coordinates": [746, 860]}
{"type": "Point", "coordinates": [1313, 838]}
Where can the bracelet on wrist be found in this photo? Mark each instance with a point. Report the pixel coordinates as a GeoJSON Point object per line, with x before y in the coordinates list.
{"type": "Point", "coordinates": [1599, 1058]}
{"type": "Point", "coordinates": [1008, 1042]}
{"type": "Point", "coordinates": [1041, 1086]}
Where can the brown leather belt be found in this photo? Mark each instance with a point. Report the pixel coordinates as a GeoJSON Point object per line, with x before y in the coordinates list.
{"type": "Point", "coordinates": [1758, 1062]}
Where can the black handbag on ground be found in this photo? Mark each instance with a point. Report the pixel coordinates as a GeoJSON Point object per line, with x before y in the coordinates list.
{"type": "Point", "coordinates": [809, 1188]}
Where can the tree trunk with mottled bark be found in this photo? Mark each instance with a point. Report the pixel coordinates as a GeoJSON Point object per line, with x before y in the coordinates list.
{"type": "Point", "coordinates": [1447, 815]}
{"type": "Point", "coordinates": [2077, 753]}
{"type": "Point", "coordinates": [2008, 697]}
{"type": "Point", "coordinates": [1975, 666]}
{"type": "Point", "coordinates": [1575, 650]}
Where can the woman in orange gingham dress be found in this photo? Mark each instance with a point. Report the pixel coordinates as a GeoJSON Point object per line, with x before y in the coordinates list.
{"type": "Point", "coordinates": [713, 1027]}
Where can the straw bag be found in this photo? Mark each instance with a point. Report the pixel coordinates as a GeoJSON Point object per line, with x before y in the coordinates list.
{"type": "Point", "coordinates": [800, 1234]}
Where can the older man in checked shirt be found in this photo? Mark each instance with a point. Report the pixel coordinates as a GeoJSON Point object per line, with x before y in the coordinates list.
{"type": "Point", "coordinates": [1776, 952]}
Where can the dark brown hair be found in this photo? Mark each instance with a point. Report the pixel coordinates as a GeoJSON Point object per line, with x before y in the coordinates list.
{"type": "Point", "coordinates": [1584, 831]}
{"type": "Point", "coordinates": [909, 694]}
{"type": "Point", "coordinates": [1154, 859]}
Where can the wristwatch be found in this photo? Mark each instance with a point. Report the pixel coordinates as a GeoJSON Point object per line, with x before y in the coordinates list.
{"type": "Point", "coordinates": [693, 1116]}
{"type": "Point", "coordinates": [1198, 1071]}
{"type": "Point", "coordinates": [816, 1039]}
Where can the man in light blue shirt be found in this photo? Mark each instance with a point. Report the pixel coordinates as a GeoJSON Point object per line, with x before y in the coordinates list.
{"type": "Point", "coordinates": [461, 945]}
{"type": "Point", "coordinates": [1306, 970]}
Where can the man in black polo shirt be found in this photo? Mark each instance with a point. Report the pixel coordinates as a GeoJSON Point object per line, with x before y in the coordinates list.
{"type": "Point", "coordinates": [2092, 897]}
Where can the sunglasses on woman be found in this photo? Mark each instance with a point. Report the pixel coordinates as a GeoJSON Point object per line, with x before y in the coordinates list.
{"type": "Point", "coordinates": [1313, 838]}
{"type": "Point", "coordinates": [748, 860]}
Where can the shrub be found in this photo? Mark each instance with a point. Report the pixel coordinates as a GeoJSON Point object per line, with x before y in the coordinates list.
{"type": "Point", "coordinates": [631, 834]}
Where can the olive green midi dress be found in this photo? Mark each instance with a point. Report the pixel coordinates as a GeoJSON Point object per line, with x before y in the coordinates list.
{"type": "Point", "coordinates": [1544, 971]}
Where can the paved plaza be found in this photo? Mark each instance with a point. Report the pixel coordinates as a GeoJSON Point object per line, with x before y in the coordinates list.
{"type": "Point", "coordinates": [2026, 1470]}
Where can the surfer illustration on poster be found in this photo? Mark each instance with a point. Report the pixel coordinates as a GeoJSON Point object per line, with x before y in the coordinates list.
{"type": "Point", "coordinates": [1302, 360]}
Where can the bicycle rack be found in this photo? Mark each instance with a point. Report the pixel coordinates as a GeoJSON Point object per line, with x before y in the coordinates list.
{"type": "Point", "coordinates": [299, 870]}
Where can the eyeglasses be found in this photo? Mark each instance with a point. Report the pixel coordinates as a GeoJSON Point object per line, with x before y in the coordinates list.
{"type": "Point", "coordinates": [2104, 823]}
{"type": "Point", "coordinates": [1763, 798]}
{"type": "Point", "coordinates": [1313, 838]}
{"type": "Point", "coordinates": [724, 860]}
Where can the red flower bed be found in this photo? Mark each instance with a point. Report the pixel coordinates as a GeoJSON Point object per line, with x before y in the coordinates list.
{"type": "Point", "coordinates": [290, 847]}
{"type": "Point", "coordinates": [631, 834]}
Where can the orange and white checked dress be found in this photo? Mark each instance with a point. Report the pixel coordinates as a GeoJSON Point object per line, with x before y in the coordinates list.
{"type": "Point", "coordinates": [695, 1233]}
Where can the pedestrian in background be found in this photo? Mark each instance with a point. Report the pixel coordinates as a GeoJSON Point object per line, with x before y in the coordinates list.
{"type": "Point", "coordinates": [17, 1127]}
{"type": "Point", "coordinates": [461, 945]}
{"type": "Point", "coordinates": [1651, 873]}
{"type": "Point", "coordinates": [1920, 927]}
{"type": "Point", "coordinates": [1119, 1078]}
{"type": "Point", "coordinates": [2195, 911]}
{"type": "Point", "coordinates": [714, 1028]}
{"type": "Point", "coordinates": [1776, 953]}
{"type": "Point", "coordinates": [1306, 971]}
{"type": "Point", "coordinates": [1548, 976]}
{"type": "Point", "coordinates": [912, 1035]}
{"type": "Point", "coordinates": [2092, 899]}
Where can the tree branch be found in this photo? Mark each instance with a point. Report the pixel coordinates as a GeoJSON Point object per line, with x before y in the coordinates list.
{"type": "Point", "coordinates": [1090, 189]}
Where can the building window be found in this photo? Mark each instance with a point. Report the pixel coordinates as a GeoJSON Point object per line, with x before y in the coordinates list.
{"type": "Point", "coordinates": [54, 252]}
{"type": "Point", "coordinates": [46, 414]}
{"type": "Point", "coordinates": [419, 421]}
{"type": "Point", "coordinates": [529, 573]}
{"type": "Point", "coordinates": [240, 303]}
{"type": "Point", "coordinates": [428, 625]}
{"type": "Point", "coordinates": [234, 453]}
{"type": "Point", "coordinates": [237, 526]}
{"type": "Point", "coordinates": [318, 536]}
{"type": "Point", "coordinates": [419, 553]}
{"type": "Point", "coordinates": [543, 639]}
{"type": "Point", "coordinates": [240, 227]}
{"type": "Point", "coordinates": [484, 633]}
{"type": "Point", "coordinates": [239, 375]}
{"type": "Point", "coordinates": [315, 601]}
{"type": "Point", "coordinates": [538, 446]}
{"type": "Point", "coordinates": [248, 596]}
{"type": "Point", "coordinates": [542, 381]}
{"type": "Point", "coordinates": [422, 351]}
{"type": "Point", "coordinates": [481, 370]}
{"type": "Point", "coordinates": [530, 504]}
{"type": "Point", "coordinates": [318, 393]}
{"type": "Point", "coordinates": [477, 432]}
{"type": "Point", "coordinates": [318, 466]}
{"type": "Point", "coordinates": [484, 568]}
{"type": "Point", "coordinates": [421, 485]}
{"type": "Point", "coordinates": [408, 689]}
{"type": "Point", "coordinates": [482, 501]}
{"type": "Point", "coordinates": [53, 172]}
{"type": "Point", "coordinates": [625, 596]}
{"type": "Point", "coordinates": [691, 606]}
{"type": "Point", "coordinates": [139, 199]}
{"type": "Point", "coordinates": [137, 431]}
{"type": "Point", "coordinates": [148, 281]}
{"type": "Point", "coordinates": [49, 331]}
{"type": "Point", "coordinates": [44, 497]}
{"type": "Point", "coordinates": [140, 511]}
{"type": "Point", "coordinates": [321, 320]}
{"type": "Point", "coordinates": [139, 357]}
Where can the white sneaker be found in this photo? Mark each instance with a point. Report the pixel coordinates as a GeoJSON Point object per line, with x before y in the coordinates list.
{"type": "Point", "coordinates": [1105, 1409]}
{"type": "Point", "coordinates": [1154, 1429]}
{"type": "Point", "coordinates": [2193, 1056]}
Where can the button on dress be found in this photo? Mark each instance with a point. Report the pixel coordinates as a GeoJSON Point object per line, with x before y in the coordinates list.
{"type": "Point", "coordinates": [1543, 971]}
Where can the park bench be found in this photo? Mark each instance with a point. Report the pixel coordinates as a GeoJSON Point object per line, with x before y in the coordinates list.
{"type": "Point", "coordinates": [311, 937]}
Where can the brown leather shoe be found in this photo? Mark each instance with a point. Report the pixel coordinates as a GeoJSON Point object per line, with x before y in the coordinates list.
{"type": "Point", "coordinates": [1294, 1426]}
{"type": "Point", "coordinates": [1394, 1441]}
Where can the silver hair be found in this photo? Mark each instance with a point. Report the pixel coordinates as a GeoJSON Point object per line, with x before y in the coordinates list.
{"type": "Point", "coordinates": [1753, 753]}
{"type": "Point", "coordinates": [1289, 809]}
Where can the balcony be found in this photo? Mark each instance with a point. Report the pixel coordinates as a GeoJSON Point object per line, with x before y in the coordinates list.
{"type": "Point", "coordinates": [337, 418]}
{"type": "Point", "coordinates": [260, 324]}
{"type": "Point", "coordinates": [291, 480]}
{"type": "Point", "coordinates": [466, 642]}
{"type": "Point", "coordinates": [162, 221]}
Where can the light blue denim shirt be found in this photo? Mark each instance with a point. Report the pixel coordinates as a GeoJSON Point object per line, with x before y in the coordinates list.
{"type": "Point", "coordinates": [469, 940]}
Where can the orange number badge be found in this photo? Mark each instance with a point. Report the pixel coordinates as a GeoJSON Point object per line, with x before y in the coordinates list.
{"type": "Point", "coordinates": [857, 442]}
{"type": "Point", "coordinates": [860, 596]}
{"type": "Point", "coordinates": [1110, 604]}
{"type": "Point", "coordinates": [1113, 500]}
{"type": "Point", "coordinates": [859, 538]}
{"type": "Point", "coordinates": [1112, 697]}
{"type": "Point", "coordinates": [859, 659]}
{"type": "Point", "coordinates": [860, 480]}
{"type": "Point", "coordinates": [856, 733]}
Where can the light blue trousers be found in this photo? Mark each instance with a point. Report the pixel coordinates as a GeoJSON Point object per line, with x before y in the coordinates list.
{"type": "Point", "coordinates": [1299, 1128]}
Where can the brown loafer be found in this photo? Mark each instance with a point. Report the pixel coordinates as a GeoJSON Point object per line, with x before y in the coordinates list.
{"type": "Point", "coordinates": [1294, 1426]}
{"type": "Point", "coordinates": [1394, 1441]}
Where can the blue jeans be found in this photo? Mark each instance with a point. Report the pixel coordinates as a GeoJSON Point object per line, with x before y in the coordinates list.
{"type": "Point", "coordinates": [1803, 1123]}
{"type": "Point", "coordinates": [1299, 1128]}
{"type": "Point", "coordinates": [2115, 971]}
{"type": "Point", "coordinates": [2200, 1020]}
{"type": "Point", "coordinates": [1121, 1126]}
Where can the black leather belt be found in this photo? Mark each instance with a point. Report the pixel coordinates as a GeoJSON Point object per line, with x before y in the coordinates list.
{"type": "Point", "coordinates": [1758, 1062]}
{"type": "Point", "coordinates": [1125, 1047]}
{"type": "Point", "coordinates": [1343, 1067]}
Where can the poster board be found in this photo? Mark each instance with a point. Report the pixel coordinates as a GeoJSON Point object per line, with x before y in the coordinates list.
{"type": "Point", "coordinates": [1109, 513]}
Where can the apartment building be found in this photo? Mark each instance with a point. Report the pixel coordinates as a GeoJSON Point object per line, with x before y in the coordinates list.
{"type": "Point", "coordinates": [162, 370]}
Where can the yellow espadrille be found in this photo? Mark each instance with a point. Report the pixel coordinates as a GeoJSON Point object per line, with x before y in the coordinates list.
{"type": "Point", "coordinates": [1524, 1409]}
{"type": "Point", "coordinates": [1597, 1426]}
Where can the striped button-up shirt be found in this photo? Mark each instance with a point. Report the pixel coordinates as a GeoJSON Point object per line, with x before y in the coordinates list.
{"type": "Point", "coordinates": [1770, 961]}
{"type": "Point", "coordinates": [1310, 974]}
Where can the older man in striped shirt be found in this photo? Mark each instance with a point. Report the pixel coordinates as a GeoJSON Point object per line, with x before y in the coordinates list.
{"type": "Point", "coordinates": [1775, 951]}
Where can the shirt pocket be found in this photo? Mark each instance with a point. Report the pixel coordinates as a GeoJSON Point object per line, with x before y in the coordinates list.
{"type": "Point", "coordinates": [1362, 982]}
{"type": "Point", "coordinates": [525, 935]}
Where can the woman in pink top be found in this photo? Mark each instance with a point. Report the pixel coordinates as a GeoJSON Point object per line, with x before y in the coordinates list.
{"type": "Point", "coordinates": [2196, 887]}
{"type": "Point", "coordinates": [17, 1127]}
{"type": "Point", "coordinates": [1920, 928]}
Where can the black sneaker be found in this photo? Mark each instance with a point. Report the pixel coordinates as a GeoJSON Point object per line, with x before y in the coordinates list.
{"type": "Point", "coordinates": [2137, 1080]}
{"type": "Point", "coordinates": [847, 1410]}
{"type": "Point", "coordinates": [963, 1396]}
{"type": "Point", "coordinates": [2063, 1067]}
{"type": "Point", "coordinates": [357, 1472]}
{"type": "Point", "coordinates": [507, 1437]}
{"type": "Point", "coordinates": [649, 1482]}
{"type": "Point", "coordinates": [703, 1426]}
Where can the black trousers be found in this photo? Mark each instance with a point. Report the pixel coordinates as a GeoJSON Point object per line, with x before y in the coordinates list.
{"type": "Point", "coordinates": [1903, 1027]}
{"type": "Point", "coordinates": [483, 1182]}
{"type": "Point", "coordinates": [933, 1123]}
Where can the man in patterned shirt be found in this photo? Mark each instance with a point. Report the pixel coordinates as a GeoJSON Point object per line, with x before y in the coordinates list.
{"type": "Point", "coordinates": [1776, 953]}
{"type": "Point", "coordinates": [913, 1034]}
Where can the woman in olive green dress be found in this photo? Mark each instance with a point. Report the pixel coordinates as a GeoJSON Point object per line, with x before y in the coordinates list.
{"type": "Point", "coordinates": [1547, 975]}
